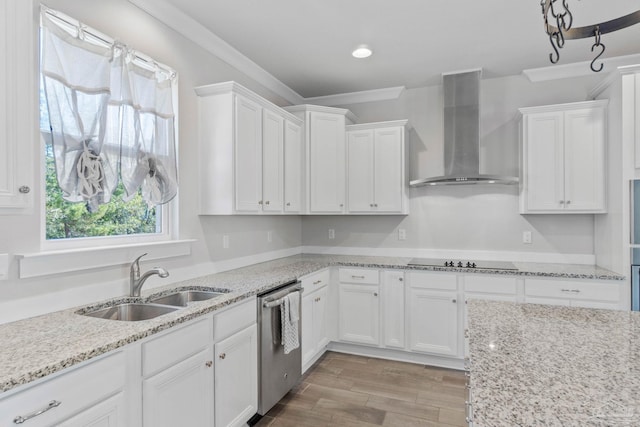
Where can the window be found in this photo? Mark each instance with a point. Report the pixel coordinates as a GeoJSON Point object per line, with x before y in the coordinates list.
{"type": "Point", "coordinates": [108, 128]}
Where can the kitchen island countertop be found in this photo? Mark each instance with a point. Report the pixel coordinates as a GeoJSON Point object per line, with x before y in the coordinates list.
{"type": "Point", "coordinates": [540, 365]}
{"type": "Point", "coordinates": [36, 347]}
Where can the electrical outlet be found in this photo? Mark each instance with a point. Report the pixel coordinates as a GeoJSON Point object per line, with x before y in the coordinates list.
{"type": "Point", "coordinates": [526, 237]}
{"type": "Point", "coordinates": [402, 234]}
{"type": "Point", "coordinates": [225, 241]}
{"type": "Point", "coordinates": [269, 236]}
{"type": "Point", "coordinates": [332, 233]}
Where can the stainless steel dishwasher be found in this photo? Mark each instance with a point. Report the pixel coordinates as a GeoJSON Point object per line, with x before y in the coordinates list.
{"type": "Point", "coordinates": [278, 372]}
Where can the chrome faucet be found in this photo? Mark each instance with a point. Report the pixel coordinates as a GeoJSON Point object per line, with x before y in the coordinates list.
{"type": "Point", "coordinates": [136, 280]}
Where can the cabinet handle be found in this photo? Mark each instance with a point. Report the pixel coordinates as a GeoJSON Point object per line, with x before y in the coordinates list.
{"type": "Point", "coordinates": [20, 419]}
{"type": "Point", "coordinates": [24, 189]}
{"type": "Point", "coordinates": [209, 364]}
{"type": "Point", "coordinates": [576, 291]}
{"type": "Point", "coordinates": [317, 282]}
{"type": "Point", "coordinates": [357, 277]}
{"type": "Point", "coordinates": [222, 355]}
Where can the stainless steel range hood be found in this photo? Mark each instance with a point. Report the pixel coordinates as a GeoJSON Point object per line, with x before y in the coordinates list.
{"type": "Point", "coordinates": [462, 134]}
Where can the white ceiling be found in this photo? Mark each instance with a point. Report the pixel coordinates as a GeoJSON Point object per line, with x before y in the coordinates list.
{"type": "Point", "coordinates": [307, 44]}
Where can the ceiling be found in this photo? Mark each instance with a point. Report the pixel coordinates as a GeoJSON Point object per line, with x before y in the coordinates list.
{"type": "Point", "coordinates": [307, 44]}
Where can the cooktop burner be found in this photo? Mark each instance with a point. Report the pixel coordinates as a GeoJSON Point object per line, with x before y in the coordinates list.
{"type": "Point", "coordinates": [479, 265]}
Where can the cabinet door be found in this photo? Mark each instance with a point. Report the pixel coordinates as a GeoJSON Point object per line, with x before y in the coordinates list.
{"type": "Point", "coordinates": [272, 161]}
{"type": "Point", "coordinates": [359, 314]}
{"type": "Point", "coordinates": [292, 167]}
{"type": "Point", "coordinates": [108, 413]}
{"type": "Point", "coordinates": [393, 313]}
{"type": "Point", "coordinates": [584, 147]}
{"type": "Point", "coordinates": [327, 162]}
{"type": "Point", "coordinates": [180, 395]}
{"type": "Point", "coordinates": [544, 181]}
{"type": "Point", "coordinates": [360, 177]}
{"type": "Point", "coordinates": [236, 379]}
{"type": "Point", "coordinates": [248, 155]}
{"type": "Point", "coordinates": [320, 335]}
{"type": "Point", "coordinates": [433, 322]}
{"type": "Point", "coordinates": [388, 173]}
{"type": "Point", "coordinates": [18, 127]}
{"type": "Point", "coordinates": [308, 342]}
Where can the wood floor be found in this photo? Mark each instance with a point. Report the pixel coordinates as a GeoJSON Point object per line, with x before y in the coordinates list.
{"type": "Point", "coordinates": [346, 390]}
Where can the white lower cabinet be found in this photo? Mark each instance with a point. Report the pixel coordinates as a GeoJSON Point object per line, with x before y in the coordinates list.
{"type": "Point", "coordinates": [236, 378]}
{"type": "Point", "coordinates": [314, 325]}
{"type": "Point", "coordinates": [433, 313]}
{"type": "Point", "coordinates": [181, 394]}
{"type": "Point", "coordinates": [91, 394]}
{"type": "Point", "coordinates": [575, 293]}
{"type": "Point", "coordinates": [359, 314]}
{"type": "Point", "coordinates": [393, 311]}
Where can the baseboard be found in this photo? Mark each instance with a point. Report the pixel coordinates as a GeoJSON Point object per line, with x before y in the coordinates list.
{"type": "Point", "coordinates": [513, 256]}
{"type": "Point", "coordinates": [397, 355]}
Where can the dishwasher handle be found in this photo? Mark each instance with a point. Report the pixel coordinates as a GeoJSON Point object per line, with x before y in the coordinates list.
{"type": "Point", "coordinates": [276, 299]}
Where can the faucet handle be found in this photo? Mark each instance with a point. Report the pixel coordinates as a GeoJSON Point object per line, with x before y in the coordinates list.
{"type": "Point", "coordinates": [137, 260]}
{"type": "Point", "coordinates": [135, 267]}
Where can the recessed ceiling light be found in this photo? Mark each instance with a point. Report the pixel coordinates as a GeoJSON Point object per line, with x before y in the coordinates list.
{"type": "Point", "coordinates": [362, 51]}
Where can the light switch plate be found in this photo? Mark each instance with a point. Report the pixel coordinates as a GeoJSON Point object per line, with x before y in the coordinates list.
{"type": "Point", "coordinates": [402, 234]}
{"type": "Point", "coordinates": [332, 233]}
{"type": "Point", "coordinates": [4, 266]}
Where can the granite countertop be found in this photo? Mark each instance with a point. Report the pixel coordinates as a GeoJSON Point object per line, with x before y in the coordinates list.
{"type": "Point", "coordinates": [539, 365]}
{"type": "Point", "coordinates": [35, 347]}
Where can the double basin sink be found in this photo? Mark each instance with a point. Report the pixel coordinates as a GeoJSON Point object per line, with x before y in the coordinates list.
{"type": "Point", "coordinates": [154, 306]}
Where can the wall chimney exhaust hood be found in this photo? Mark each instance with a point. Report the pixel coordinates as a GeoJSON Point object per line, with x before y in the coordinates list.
{"type": "Point", "coordinates": [462, 134]}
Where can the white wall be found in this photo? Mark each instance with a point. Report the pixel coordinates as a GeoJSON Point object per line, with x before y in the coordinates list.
{"type": "Point", "coordinates": [21, 234]}
{"type": "Point", "coordinates": [477, 218]}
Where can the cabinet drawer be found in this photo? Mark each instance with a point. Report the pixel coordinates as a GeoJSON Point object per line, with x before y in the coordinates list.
{"type": "Point", "coordinates": [490, 284]}
{"type": "Point", "coordinates": [441, 281]}
{"type": "Point", "coordinates": [234, 319]}
{"type": "Point", "coordinates": [315, 280]}
{"type": "Point", "coordinates": [175, 346]}
{"type": "Point", "coordinates": [573, 289]}
{"type": "Point", "coordinates": [359, 275]}
{"type": "Point", "coordinates": [79, 388]}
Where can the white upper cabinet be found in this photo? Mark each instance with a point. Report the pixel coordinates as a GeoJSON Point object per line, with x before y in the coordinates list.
{"type": "Point", "coordinates": [325, 156]}
{"type": "Point", "coordinates": [376, 168]}
{"type": "Point", "coordinates": [564, 150]}
{"type": "Point", "coordinates": [18, 124]}
{"type": "Point", "coordinates": [272, 161]}
{"type": "Point", "coordinates": [242, 152]}
{"type": "Point", "coordinates": [293, 177]}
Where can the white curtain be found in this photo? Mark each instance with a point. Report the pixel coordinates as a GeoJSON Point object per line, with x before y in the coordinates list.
{"type": "Point", "coordinates": [110, 117]}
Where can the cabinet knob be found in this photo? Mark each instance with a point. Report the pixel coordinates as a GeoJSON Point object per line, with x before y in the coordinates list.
{"type": "Point", "coordinates": [568, 202]}
{"type": "Point", "coordinates": [24, 189]}
{"type": "Point", "coordinates": [288, 204]}
{"type": "Point", "coordinates": [375, 205]}
{"type": "Point", "coordinates": [266, 203]}
{"type": "Point", "coordinates": [400, 279]}
{"type": "Point", "coordinates": [209, 364]}
{"type": "Point", "coordinates": [341, 205]}
{"type": "Point", "coordinates": [454, 300]}
{"type": "Point", "coordinates": [562, 202]}
{"type": "Point", "coordinates": [259, 202]}
{"type": "Point", "coordinates": [375, 294]}
{"type": "Point", "coordinates": [371, 205]}
{"type": "Point", "coordinates": [222, 355]}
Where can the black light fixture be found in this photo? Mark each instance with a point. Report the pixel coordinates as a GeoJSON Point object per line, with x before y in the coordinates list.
{"type": "Point", "coordinates": [557, 12]}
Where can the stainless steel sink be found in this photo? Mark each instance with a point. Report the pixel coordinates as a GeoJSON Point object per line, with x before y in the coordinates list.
{"type": "Point", "coordinates": [132, 312]}
{"type": "Point", "coordinates": [183, 298]}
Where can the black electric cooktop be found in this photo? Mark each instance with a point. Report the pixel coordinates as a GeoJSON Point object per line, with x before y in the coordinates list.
{"type": "Point", "coordinates": [478, 265]}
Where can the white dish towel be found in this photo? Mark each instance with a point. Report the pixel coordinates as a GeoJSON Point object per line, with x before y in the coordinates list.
{"type": "Point", "coordinates": [289, 317]}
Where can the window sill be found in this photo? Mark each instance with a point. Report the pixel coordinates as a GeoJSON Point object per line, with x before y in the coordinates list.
{"type": "Point", "coordinates": [65, 261]}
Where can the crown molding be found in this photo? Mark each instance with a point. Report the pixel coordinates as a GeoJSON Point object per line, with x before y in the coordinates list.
{"type": "Point", "coordinates": [383, 94]}
{"type": "Point", "coordinates": [203, 37]}
{"type": "Point", "coordinates": [577, 69]}
{"type": "Point", "coordinates": [611, 78]}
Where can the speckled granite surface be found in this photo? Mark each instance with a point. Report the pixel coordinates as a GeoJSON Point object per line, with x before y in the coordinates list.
{"type": "Point", "coordinates": [539, 365]}
{"type": "Point", "coordinates": [39, 346]}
